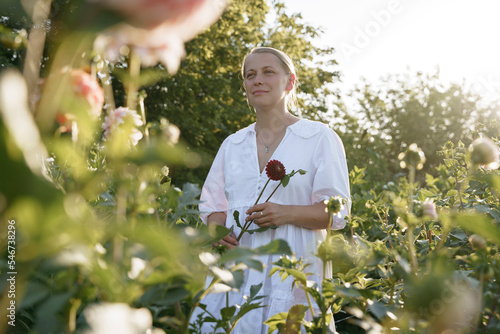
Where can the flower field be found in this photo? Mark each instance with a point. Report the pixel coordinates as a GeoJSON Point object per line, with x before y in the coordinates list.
{"type": "Point", "coordinates": [98, 237]}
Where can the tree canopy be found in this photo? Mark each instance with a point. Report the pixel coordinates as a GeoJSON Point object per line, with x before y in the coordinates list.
{"type": "Point", "coordinates": [206, 99]}
{"type": "Point", "coordinates": [411, 108]}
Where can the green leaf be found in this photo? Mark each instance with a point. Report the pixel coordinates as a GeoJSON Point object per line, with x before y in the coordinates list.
{"type": "Point", "coordinates": [294, 318]}
{"type": "Point", "coordinates": [262, 229]}
{"type": "Point", "coordinates": [34, 293]}
{"type": "Point", "coordinates": [254, 290]}
{"type": "Point", "coordinates": [377, 308]}
{"type": "Point", "coordinates": [172, 296]}
{"type": "Point", "coordinates": [350, 292]}
{"type": "Point", "coordinates": [227, 312]}
{"type": "Point", "coordinates": [245, 308]}
{"type": "Point", "coordinates": [479, 224]}
{"type": "Point", "coordinates": [297, 274]}
{"type": "Point", "coordinates": [285, 180]}
{"type": "Point", "coordinates": [424, 193]}
{"type": "Point", "coordinates": [47, 313]}
{"type": "Point", "coordinates": [275, 321]}
{"type": "Point", "coordinates": [451, 193]}
{"type": "Point", "coordinates": [242, 254]}
{"type": "Point", "coordinates": [278, 246]}
{"type": "Point", "coordinates": [328, 291]}
{"type": "Point", "coordinates": [210, 234]}
{"type": "Point", "coordinates": [236, 216]}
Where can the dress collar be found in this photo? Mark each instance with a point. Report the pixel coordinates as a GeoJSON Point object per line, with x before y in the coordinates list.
{"type": "Point", "coordinates": [303, 128]}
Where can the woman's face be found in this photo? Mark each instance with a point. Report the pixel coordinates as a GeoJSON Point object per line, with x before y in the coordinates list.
{"type": "Point", "coordinates": [266, 81]}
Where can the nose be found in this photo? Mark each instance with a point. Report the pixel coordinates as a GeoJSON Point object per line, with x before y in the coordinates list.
{"type": "Point", "coordinates": [258, 80]}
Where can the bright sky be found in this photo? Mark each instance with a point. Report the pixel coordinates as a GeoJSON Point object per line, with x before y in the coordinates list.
{"type": "Point", "coordinates": [376, 37]}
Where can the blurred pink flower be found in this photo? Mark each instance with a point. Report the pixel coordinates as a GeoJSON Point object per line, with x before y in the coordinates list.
{"type": "Point", "coordinates": [429, 208]}
{"type": "Point", "coordinates": [121, 116]}
{"type": "Point", "coordinates": [86, 86]}
{"type": "Point", "coordinates": [79, 90]}
{"type": "Point", "coordinates": [157, 30]}
{"type": "Point", "coordinates": [151, 13]}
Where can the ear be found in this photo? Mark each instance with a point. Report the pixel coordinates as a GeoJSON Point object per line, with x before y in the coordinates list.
{"type": "Point", "coordinates": [291, 82]}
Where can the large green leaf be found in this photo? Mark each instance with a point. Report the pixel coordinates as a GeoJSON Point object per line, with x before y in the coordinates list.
{"type": "Point", "coordinates": [479, 224]}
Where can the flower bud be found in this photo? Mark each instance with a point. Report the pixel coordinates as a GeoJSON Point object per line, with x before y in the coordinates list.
{"type": "Point", "coordinates": [477, 241]}
{"type": "Point", "coordinates": [429, 208]}
{"type": "Point", "coordinates": [334, 204]}
{"type": "Point", "coordinates": [484, 152]}
{"type": "Point", "coordinates": [414, 156]}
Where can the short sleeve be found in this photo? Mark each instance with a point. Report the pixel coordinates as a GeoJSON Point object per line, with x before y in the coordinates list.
{"type": "Point", "coordinates": [332, 177]}
{"type": "Point", "coordinates": [213, 198]}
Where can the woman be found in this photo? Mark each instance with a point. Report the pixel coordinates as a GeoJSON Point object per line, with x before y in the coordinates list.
{"type": "Point", "coordinates": [237, 177]}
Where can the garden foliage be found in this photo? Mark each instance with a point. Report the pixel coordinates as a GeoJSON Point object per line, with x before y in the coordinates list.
{"type": "Point", "coordinates": [106, 242]}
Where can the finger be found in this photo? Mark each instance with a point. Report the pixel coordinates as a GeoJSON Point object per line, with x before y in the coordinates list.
{"type": "Point", "coordinates": [255, 208]}
{"type": "Point", "coordinates": [225, 243]}
{"type": "Point", "coordinates": [231, 239]}
{"type": "Point", "coordinates": [264, 224]}
{"type": "Point", "coordinates": [261, 222]}
{"type": "Point", "coordinates": [256, 215]}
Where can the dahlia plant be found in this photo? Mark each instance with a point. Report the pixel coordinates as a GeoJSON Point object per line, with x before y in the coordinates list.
{"type": "Point", "coordinates": [275, 171]}
{"type": "Point", "coordinates": [116, 119]}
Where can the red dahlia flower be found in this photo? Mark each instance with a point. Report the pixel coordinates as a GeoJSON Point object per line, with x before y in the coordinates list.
{"type": "Point", "coordinates": [275, 170]}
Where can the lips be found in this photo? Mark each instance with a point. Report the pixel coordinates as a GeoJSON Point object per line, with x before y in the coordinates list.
{"type": "Point", "coordinates": [259, 92]}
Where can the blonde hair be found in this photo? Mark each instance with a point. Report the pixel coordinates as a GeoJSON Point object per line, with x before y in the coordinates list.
{"type": "Point", "coordinates": [285, 62]}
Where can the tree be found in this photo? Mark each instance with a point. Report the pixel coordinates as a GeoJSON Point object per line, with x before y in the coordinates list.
{"type": "Point", "coordinates": [406, 109]}
{"type": "Point", "coordinates": [206, 100]}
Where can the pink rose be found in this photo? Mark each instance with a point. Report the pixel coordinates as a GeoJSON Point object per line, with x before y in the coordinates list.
{"type": "Point", "coordinates": [151, 13]}
{"type": "Point", "coordinates": [158, 29]}
{"type": "Point", "coordinates": [79, 91]}
{"type": "Point", "coordinates": [121, 115]}
{"type": "Point", "coordinates": [87, 87]}
{"type": "Point", "coordinates": [429, 209]}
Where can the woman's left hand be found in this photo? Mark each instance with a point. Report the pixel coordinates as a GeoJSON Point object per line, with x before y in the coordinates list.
{"type": "Point", "coordinates": [267, 214]}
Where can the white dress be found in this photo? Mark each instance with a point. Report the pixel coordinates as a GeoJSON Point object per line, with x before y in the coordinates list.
{"type": "Point", "coordinates": [234, 183]}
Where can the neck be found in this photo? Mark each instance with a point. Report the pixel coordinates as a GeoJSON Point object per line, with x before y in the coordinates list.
{"type": "Point", "coordinates": [274, 121]}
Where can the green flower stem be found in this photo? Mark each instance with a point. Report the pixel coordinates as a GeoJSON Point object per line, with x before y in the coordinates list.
{"type": "Point", "coordinates": [107, 88]}
{"type": "Point", "coordinates": [260, 195]}
{"type": "Point", "coordinates": [281, 182]}
{"type": "Point", "coordinates": [267, 200]}
{"type": "Point", "coordinates": [324, 268]}
{"type": "Point", "coordinates": [411, 240]}
{"type": "Point", "coordinates": [134, 65]}
{"type": "Point", "coordinates": [75, 304]}
{"type": "Point", "coordinates": [391, 301]}
{"type": "Point", "coordinates": [459, 192]}
{"type": "Point", "coordinates": [197, 303]}
{"type": "Point", "coordinates": [310, 304]}
{"type": "Point", "coordinates": [204, 294]}
{"type": "Point", "coordinates": [247, 224]}
{"type": "Point", "coordinates": [143, 115]}
{"type": "Point", "coordinates": [385, 223]}
{"type": "Point", "coordinates": [35, 46]}
{"type": "Point", "coordinates": [328, 233]}
{"type": "Point", "coordinates": [410, 192]}
{"type": "Point", "coordinates": [121, 218]}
